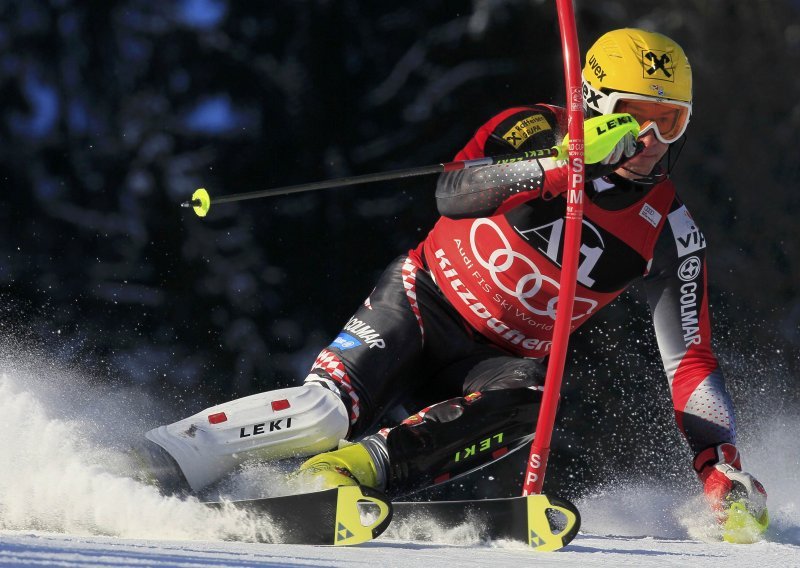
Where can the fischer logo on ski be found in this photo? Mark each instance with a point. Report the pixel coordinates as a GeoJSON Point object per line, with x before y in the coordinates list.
{"type": "Point", "coordinates": [343, 533]}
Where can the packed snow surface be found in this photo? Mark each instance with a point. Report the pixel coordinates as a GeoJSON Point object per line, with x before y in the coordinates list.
{"type": "Point", "coordinates": [66, 499]}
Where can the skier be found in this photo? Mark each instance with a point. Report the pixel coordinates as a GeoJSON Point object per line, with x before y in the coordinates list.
{"type": "Point", "coordinates": [467, 317]}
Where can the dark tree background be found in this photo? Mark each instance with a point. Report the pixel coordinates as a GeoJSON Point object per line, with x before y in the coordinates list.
{"type": "Point", "coordinates": [113, 112]}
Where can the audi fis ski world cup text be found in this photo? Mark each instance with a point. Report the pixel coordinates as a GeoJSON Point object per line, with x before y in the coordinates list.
{"type": "Point", "coordinates": [514, 336]}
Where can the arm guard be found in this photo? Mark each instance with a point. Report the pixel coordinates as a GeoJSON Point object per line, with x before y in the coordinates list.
{"type": "Point", "coordinates": [482, 191]}
{"type": "Point", "coordinates": [677, 294]}
{"type": "Point", "coordinates": [479, 192]}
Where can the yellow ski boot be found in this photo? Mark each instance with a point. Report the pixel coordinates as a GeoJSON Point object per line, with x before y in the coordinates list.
{"type": "Point", "coordinates": [350, 465]}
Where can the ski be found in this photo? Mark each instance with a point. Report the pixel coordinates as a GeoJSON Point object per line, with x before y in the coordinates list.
{"type": "Point", "coordinates": [338, 517]}
{"type": "Point", "coordinates": [542, 522]}
{"type": "Point", "coordinates": [347, 516]}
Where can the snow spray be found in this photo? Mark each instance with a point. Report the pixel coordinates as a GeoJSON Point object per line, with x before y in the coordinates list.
{"type": "Point", "coordinates": [60, 473]}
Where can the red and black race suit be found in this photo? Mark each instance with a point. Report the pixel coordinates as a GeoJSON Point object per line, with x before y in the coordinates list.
{"type": "Point", "coordinates": [481, 291]}
{"type": "Point", "coordinates": [501, 272]}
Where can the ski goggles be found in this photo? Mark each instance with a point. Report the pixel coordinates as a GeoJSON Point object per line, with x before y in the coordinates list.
{"type": "Point", "coordinates": [666, 119]}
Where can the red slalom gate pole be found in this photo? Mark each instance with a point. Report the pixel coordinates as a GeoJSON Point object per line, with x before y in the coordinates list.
{"type": "Point", "coordinates": [540, 449]}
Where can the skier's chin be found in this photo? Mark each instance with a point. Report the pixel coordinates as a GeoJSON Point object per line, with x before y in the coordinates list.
{"type": "Point", "coordinates": [639, 167]}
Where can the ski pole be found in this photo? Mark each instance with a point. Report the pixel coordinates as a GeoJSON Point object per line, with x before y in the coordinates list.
{"type": "Point", "coordinates": [201, 201]}
{"type": "Point", "coordinates": [540, 448]}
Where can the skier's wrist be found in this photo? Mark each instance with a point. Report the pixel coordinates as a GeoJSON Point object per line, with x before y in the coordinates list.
{"type": "Point", "coordinates": [705, 461]}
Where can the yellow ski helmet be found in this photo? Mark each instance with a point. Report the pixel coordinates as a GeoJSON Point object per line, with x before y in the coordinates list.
{"type": "Point", "coordinates": [628, 70]}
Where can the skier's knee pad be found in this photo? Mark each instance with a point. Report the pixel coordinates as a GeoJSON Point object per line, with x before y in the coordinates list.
{"type": "Point", "coordinates": [293, 422]}
{"type": "Point", "coordinates": [458, 435]}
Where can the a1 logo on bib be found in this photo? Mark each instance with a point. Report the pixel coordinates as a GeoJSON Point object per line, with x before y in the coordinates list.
{"type": "Point", "coordinates": [688, 238]}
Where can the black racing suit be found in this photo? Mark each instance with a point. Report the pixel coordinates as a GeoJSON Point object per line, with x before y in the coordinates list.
{"type": "Point", "coordinates": [468, 315]}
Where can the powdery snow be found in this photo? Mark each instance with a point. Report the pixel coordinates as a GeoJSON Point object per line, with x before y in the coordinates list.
{"type": "Point", "coordinates": [65, 501]}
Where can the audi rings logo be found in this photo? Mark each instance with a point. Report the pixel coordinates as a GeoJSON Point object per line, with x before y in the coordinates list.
{"type": "Point", "coordinates": [689, 269]}
{"type": "Point", "coordinates": [530, 283]}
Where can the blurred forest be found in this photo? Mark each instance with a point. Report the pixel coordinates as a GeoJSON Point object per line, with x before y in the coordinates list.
{"type": "Point", "coordinates": [114, 111]}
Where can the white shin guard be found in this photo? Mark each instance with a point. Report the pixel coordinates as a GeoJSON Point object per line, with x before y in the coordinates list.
{"type": "Point", "coordinates": [293, 422]}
